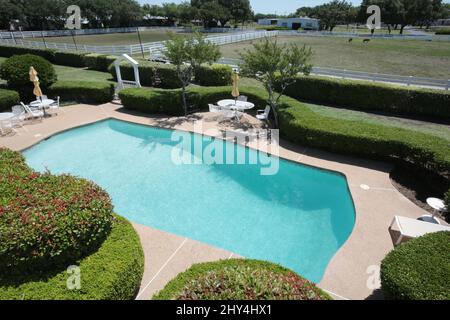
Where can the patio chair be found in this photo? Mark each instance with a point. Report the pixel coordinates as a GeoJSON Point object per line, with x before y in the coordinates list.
{"type": "Point", "coordinates": [19, 115]}
{"type": "Point", "coordinates": [32, 114]}
{"type": "Point", "coordinates": [412, 228]}
{"type": "Point", "coordinates": [263, 114]}
{"type": "Point", "coordinates": [243, 98]}
{"type": "Point", "coordinates": [54, 107]}
{"type": "Point", "coordinates": [213, 108]}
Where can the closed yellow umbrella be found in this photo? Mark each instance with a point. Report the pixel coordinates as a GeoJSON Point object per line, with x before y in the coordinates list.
{"type": "Point", "coordinates": [34, 78]}
{"type": "Point", "coordinates": [235, 77]}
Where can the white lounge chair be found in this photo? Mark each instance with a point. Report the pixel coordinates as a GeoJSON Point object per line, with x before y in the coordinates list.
{"type": "Point", "coordinates": [213, 108]}
{"type": "Point", "coordinates": [243, 98]}
{"type": "Point", "coordinates": [412, 228]}
{"type": "Point", "coordinates": [263, 114]}
{"type": "Point", "coordinates": [19, 115]}
{"type": "Point", "coordinates": [54, 107]}
{"type": "Point", "coordinates": [32, 114]}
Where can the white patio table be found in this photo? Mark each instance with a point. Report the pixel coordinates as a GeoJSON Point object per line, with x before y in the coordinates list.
{"type": "Point", "coordinates": [235, 104]}
{"type": "Point", "coordinates": [42, 104]}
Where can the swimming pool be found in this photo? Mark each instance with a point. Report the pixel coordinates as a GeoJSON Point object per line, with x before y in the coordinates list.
{"type": "Point", "coordinates": [298, 217]}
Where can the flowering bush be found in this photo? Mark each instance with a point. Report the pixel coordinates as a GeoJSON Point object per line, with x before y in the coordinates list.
{"type": "Point", "coordinates": [240, 279]}
{"type": "Point", "coordinates": [47, 220]}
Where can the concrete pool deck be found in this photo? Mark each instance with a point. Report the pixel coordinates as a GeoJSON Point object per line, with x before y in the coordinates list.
{"type": "Point", "coordinates": [350, 274]}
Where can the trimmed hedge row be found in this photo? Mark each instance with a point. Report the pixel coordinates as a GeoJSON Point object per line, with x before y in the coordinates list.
{"type": "Point", "coordinates": [9, 51]}
{"type": "Point", "coordinates": [114, 272]}
{"type": "Point", "coordinates": [47, 221]}
{"type": "Point", "coordinates": [300, 124]}
{"type": "Point", "coordinates": [239, 279]}
{"type": "Point", "coordinates": [364, 95]}
{"type": "Point", "coordinates": [83, 91]}
{"type": "Point", "coordinates": [165, 76]}
{"type": "Point", "coordinates": [214, 75]}
{"type": "Point", "coordinates": [418, 269]}
{"type": "Point", "coordinates": [8, 98]}
{"type": "Point", "coordinates": [99, 62]}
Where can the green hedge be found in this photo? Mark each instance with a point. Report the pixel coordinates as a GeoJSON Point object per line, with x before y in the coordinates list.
{"type": "Point", "coordinates": [239, 279]}
{"type": "Point", "coordinates": [214, 75]}
{"type": "Point", "coordinates": [70, 59]}
{"type": "Point", "coordinates": [83, 91]}
{"type": "Point", "coordinates": [300, 124]}
{"type": "Point", "coordinates": [114, 272]}
{"type": "Point", "coordinates": [151, 74]}
{"type": "Point", "coordinates": [165, 76]}
{"type": "Point", "coordinates": [418, 269]}
{"type": "Point", "coordinates": [8, 98]}
{"type": "Point", "coordinates": [9, 51]}
{"type": "Point", "coordinates": [364, 95]}
{"type": "Point", "coordinates": [47, 220]}
{"type": "Point", "coordinates": [443, 31]}
{"type": "Point", "coordinates": [99, 62]}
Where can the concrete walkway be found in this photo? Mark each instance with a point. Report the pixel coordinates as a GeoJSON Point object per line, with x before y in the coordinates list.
{"type": "Point", "coordinates": [350, 273]}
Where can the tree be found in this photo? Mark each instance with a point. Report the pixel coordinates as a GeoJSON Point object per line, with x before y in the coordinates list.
{"type": "Point", "coordinates": [11, 10]}
{"type": "Point", "coordinates": [187, 54]}
{"type": "Point", "coordinates": [275, 65]}
{"type": "Point", "coordinates": [334, 13]}
{"type": "Point", "coordinates": [240, 10]}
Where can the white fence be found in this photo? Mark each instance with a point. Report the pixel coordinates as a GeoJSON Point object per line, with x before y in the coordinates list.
{"type": "Point", "coordinates": [150, 48]}
{"type": "Point", "coordinates": [365, 36]}
{"type": "Point", "coordinates": [83, 32]}
{"type": "Point", "coordinates": [375, 77]}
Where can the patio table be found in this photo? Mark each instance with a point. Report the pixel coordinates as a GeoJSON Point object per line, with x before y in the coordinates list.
{"type": "Point", "coordinates": [235, 105]}
{"type": "Point", "coordinates": [42, 104]}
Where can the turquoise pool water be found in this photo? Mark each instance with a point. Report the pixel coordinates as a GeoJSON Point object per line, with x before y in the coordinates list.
{"type": "Point", "coordinates": [298, 218]}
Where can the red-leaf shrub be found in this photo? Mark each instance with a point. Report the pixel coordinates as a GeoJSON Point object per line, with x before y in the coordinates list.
{"type": "Point", "coordinates": [47, 220]}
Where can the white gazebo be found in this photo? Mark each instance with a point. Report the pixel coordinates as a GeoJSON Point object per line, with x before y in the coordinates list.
{"type": "Point", "coordinates": [127, 83]}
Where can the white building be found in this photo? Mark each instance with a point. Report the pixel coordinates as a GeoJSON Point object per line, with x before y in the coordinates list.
{"type": "Point", "coordinates": [292, 23]}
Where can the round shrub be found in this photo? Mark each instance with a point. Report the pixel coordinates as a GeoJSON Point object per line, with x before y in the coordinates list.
{"type": "Point", "coordinates": [113, 272]}
{"type": "Point", "coordinates": [239, 279]}
{"type": "Point", "coordinates": [47, 220]}
{"type": "Point", "coordinates": [418, 269]}
{"type": "Point", "coordinates": [15, 71]}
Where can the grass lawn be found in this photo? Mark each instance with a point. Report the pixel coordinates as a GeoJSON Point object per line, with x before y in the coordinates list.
{"type": "Point", "coordinates": [403, 57]}
{"type": "Point", "coordinates": [365, 30]}
{"type": "Point", "coordinates": [115, 38]}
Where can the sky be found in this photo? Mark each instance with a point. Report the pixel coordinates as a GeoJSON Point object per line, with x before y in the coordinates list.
{"type": "Point", "coordinates": [269, 6]}
{"type": "Point", "coordinates": [281, 7]}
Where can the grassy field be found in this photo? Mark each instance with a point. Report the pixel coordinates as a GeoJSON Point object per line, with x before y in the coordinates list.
{"type": "Point", "coordinates": [402, 57]}
{"type": "Point", "coordinates": [364, 30]}
{"type": "Point", "coordinates": [115, 38]}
